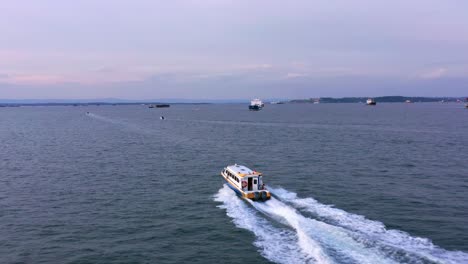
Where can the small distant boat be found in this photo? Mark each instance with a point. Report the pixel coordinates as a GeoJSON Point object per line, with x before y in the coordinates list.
{"type": "Point", "coordinates": [408, 101]}
{"type": "Point", "coordinates": [245, 182]}
{"type": "Point", "coordinates": [256, 104]}
{"type": "Point", "coordinates": [162, 118]}
{"type": "Point", "coordinates": [371, 101]}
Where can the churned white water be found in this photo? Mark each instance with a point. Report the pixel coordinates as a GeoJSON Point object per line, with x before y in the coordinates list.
{"type": "Point", "coordinates": [277, 244]}
{"type": "Point", "coordinates": [411, 249]}
{"type": "Point", "coordinates": [285, 235]}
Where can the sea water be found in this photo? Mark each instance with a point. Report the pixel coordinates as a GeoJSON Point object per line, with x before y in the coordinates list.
{"type": "Point", "coordinates": [351, 184]}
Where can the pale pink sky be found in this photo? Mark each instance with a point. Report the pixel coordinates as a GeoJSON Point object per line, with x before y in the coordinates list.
{"type": "Point", "coordinates": [232, 49]}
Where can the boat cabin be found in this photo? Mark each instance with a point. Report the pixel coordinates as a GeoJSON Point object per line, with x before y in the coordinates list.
{"type": "Point", "coordinates": [244, 178]}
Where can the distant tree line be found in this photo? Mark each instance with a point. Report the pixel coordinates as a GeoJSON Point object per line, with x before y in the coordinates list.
{"type": "Point", "coordinates": [380, 99]}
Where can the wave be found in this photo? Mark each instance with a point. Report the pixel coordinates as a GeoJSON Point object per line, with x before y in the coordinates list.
{"type": "Point", "coordinates": [330, 235]}
{"type": "Point", "coordinates": [344, 127]}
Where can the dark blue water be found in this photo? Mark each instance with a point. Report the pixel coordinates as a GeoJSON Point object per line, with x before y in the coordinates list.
{"type": "Point", "coordinates": [352, 184]}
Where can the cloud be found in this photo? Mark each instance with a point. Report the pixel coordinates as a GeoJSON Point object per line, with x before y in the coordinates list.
{"type": "Point", "coordinates": [35, 79]}
{"type": "Point", "coordinates": [253, 67]}
{"type": "Point", "coordinates": [434, 74]}
{"type": "Point", "coordinates": [290, 75]}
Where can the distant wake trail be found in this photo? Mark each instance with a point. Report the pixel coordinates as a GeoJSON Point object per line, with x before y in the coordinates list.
{"type": "Point", "coordinates": [134, 128]}
{"type": "Point", "coordinates": [120, 123]}
{"type": "Point", "coordinates": [338, 237]}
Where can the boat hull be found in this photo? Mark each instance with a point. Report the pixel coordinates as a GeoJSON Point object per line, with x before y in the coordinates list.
{"type": "Point", "coordinates": [263, 195]}
{"type": "Point", "coordinates": [255, 107]}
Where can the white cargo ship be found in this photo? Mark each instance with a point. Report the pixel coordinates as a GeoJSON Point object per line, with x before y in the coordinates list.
{"type": "Point", "coordinates": [256, 104]}
{"type": "Point", "coordinates": [371, 101]}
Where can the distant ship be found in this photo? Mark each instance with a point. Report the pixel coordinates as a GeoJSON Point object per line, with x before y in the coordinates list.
{"type": "Point", "coordinates": [256, 104]}
{"type": "Point", "coordinates": [371, 101]}
{"type": "Point", "coordinates": [408, 101]}
{"type": "Point", "coordinates": [159, 106]}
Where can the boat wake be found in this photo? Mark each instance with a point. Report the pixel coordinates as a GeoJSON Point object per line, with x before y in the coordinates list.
{"type": "Point", "coordinates": [123, 124]}
{"type": "Point", "coordinates": [289, 229]}
{"type": "Point", "coordinates": [167, 135]}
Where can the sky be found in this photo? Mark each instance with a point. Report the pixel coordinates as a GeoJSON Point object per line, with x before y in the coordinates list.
{"type": "Point", "coordinates": [220, 49]}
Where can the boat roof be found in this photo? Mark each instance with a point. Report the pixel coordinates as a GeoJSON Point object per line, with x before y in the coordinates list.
{"type": "Point", "coordinates": [242, 171]}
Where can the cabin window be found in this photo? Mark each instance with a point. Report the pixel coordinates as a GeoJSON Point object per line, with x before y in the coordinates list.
{"type": "Point", "coordinates": [255, 181]}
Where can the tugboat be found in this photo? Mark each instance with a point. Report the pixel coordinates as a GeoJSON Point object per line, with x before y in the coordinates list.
{"type": "Point", "coordinates": [256, 104]}
{"type": "Point", "coordinates": [245, 182]}
{"type": "Point", "coordinates": [371, 101]}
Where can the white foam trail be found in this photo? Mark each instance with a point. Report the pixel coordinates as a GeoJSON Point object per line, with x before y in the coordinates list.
{"type": "Point", "coordinates": [276, 244]}
{"type": "Point", "coordinates": [336, 240]}
{"type": "Point", "coordinates": [396, 243]}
